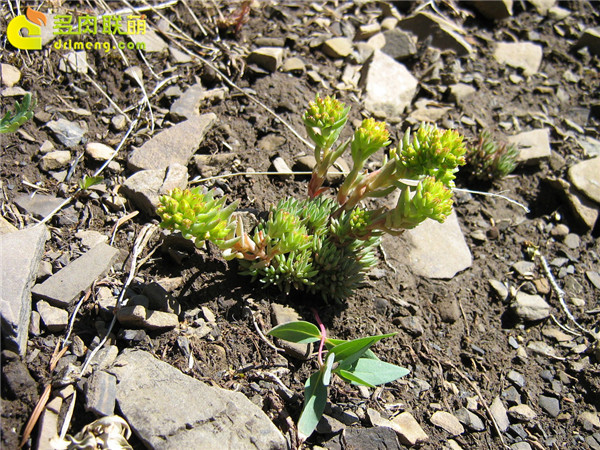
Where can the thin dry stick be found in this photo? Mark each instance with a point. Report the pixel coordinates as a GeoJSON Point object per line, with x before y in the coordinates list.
{"type": "Point", "coordinates": [68, 416]}
{"type": "Point", "coordinates": [483, 402]}
{"type": "Point", "coordinates": [120, 222]}
{"type": "Point", "coordinates": [561, 294]}
{"type": "Point", "coordinates": [194, 17]}
{"type": "Point", "coordinates": [110, 100]}
{"type": "Point", "coordinates": [35, 415]}
{"type": "Point", "coordinates": [262, 336]}
{"type": "Point", "coordinates": [139, 245]}
{"type": "Point", "coordinates": [491, 194]}
{"type": "Point", "coordinates": [75, 311]}
{"type": "Point", "coordinates": [462, 311]}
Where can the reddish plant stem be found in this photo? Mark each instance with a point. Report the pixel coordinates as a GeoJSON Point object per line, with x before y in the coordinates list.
{"type": "Point", "coordinates": [323, 336]}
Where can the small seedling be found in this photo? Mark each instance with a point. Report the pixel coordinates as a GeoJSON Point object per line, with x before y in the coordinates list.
{"type": "Point", "coordinates": [87, 182]}
{"type": "Point", "coordinates": [23, 112]}
{"type": "Point", "coordinates": [326, 244]}
{"type": "Point", "coordinates": [352, 361]}
{"type": "Point", "coordinates": [489, 160]}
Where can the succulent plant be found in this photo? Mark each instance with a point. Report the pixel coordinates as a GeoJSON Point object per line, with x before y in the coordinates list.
{"type": "Point", "coordinates": [489, 160]}
{"type": "Point", "coordinates": [320, 244]}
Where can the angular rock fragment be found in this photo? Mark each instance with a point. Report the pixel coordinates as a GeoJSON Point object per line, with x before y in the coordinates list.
{"type": "Point", "coordinates": [521, 55]}
{"type": "Point", "coordinates": [67, 132]}
{"type": "Point", "coordinates": [188, 105]}
{"type": "Point", "coordinates": [20, 258]}
{"type": "Point", "coordinates": [389, 86]}
{"type": "Point", "coordinates": [338, 47]}
{"type": "Point", "coordinates": [101, 393]}
{"type": "Point", "coordinates": [585, 176]}
{"type": "Point", "coordinates": [269, 58]}
{"type": "Point", "coordinates": [534, 145]}
{"type": "Point", "coordinates": [494, 9]}
{"type": "Point", "coordinates": [445, 35]}
{"type": "Point", "coordinates": [173, 145]}
{"type": "Point", "coordinates": [144, 188]}
{"type": "Point", "coordinates": [432, 249]}
{"type": "Point", "coordinates": [448, 422]}
{"type": "Point", "coordinates": [65, 286]}
{"type": "Point", "coordinates": [55, 319]}
{"type": "Point", "coordinates": [530, 308]}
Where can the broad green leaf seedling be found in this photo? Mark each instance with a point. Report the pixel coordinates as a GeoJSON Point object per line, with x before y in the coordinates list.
{"type": "Point", "coordinates": [352, 361]}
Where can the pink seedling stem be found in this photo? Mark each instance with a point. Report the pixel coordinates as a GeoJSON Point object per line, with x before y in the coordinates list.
{"type": "Point", "coordinates": [323, 336]}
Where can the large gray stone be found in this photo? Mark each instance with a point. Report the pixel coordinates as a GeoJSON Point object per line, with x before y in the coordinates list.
{"type": "Point", "coordinates": [145, 187]}
{"type": "Point", "coordinates": [173, 145]}
{"type": "Point", "coordinates": [101, 393]}
{"type": "Point", "coordinates": [65, 286]}
{"type": "Point", "coordinates": [389, 86]}
{"type": "Point", "coordinates": [20, 255]}
{"type": "Point", "coordinates": [170, 410]}
{"type": "Point", "coordinates": [432, 249]}
{"type": "Point", "coordinates": [586, 177]}
{"type": "Point", "coordinates": [590, 38]}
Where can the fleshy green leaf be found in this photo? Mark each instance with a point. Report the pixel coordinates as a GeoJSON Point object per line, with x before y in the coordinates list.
{"type": "Point", "coordinates": [349, 352]}
{"type": "Point", "coordinates": [371, 372]}
{"type": "Point", "coordinates": [87, 182]}
{"type": "Point", "coordinates": [315, 399]}
{"type": "Point", "coordinates": [330, 343]}
{"type": "Point", "coordinates": [353, 378]}
{"type": "Point", "coordinates": [299, 332]}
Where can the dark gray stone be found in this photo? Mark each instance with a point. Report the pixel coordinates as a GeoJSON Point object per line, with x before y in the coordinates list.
{"type": "Point", "coordinates": [101, 393]}
{"type": "Point", "coordinates": [399, 44]}
{"type": "Point", "coordinates": [39, 205]}
{"type": "Point", "coordinates": [550, 405]}
{"type": "Point", "coordinates": [469, 419]}
{"type": "Point", "coordinates": [376, 438]}
{"type": "Point", "coordinates": [65, 286]}
{"type": "Point", "coordinates": [67, 132]}
{"type": "Point", "coordinates": [169, 410]}
{"type": "Point", "coordinates": [20, 258]}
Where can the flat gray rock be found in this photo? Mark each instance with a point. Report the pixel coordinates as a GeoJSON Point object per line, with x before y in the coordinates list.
{"type": "Point", "coordinates": [38, 205]}
{"type": "Point", "coordinates": [170, 410]}
{"type": "Point", "coordinates": [399, 44]}
{"type": "Point", "coordinates": [585, 176]}
{"type": "Point", "coordinates": [173, 145]}
{"type": "Point", "coordinates": [533, 145]}
{"type": "Point", "coordinates": [590, 39]}
{"type": "Point", "coordinates": [67, 132]}
{"type": "Point", "coordinates": [389, 86]}
{"type": "Point", "coordinates": [65, 286]}
{"type": "Point", "coordinates": [145, 187]}
{"type": "Point", "coordinates": [521, 55]}
{"type": "Point", "coordinates": [269, 58]}
{"type": "Point", "coordinates": [432, 249]}
{"type": "Point", "coordinates": [20, 258]}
